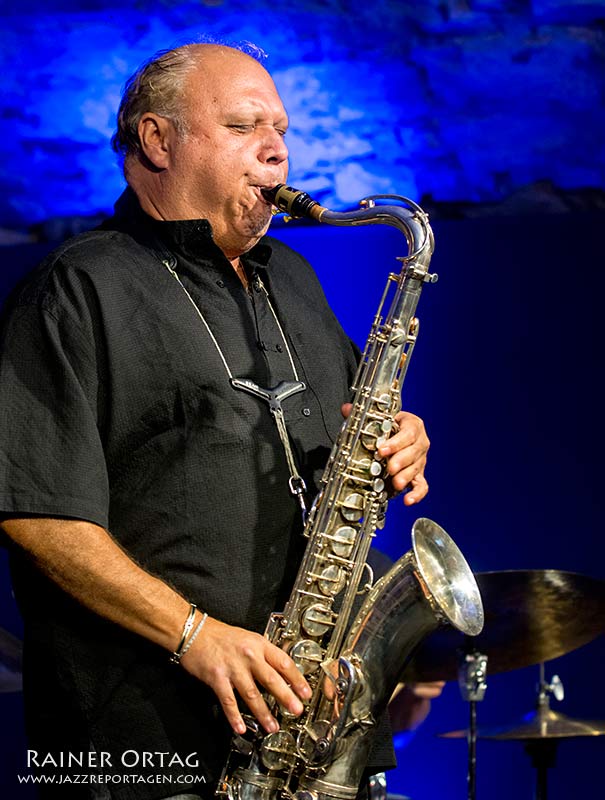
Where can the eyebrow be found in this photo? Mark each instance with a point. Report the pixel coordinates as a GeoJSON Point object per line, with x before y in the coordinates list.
{"type": "Point", "coordinates": [254, 109]}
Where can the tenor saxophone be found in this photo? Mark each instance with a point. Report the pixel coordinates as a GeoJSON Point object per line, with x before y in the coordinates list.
{"type": "Point", "coordinates": [353, 662]}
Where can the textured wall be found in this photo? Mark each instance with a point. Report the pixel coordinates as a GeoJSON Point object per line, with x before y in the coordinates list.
{"type": "Point", "coordinates": [470, 102]}
{"type": "Point", "coordinates": [461, 101]}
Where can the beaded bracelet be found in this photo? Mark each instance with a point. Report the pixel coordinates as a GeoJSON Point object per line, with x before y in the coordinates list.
{"type": "Point", "coordinates": [178, 653]}
{"type": "Point", "coordinates": [193, 636]}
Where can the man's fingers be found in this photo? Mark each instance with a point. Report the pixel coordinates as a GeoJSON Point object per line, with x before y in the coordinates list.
{"type": "Point", "coordinates": [252, 697]}
{"type": "Point", "coordinates": [413, 456]}
{"type": "Point", "coordinates": [226, 697]}
{"type": "Point", "coordinates": [406, 453]}
{"type": "Point", "coordinates": [402, 473]}
{"type": "Point", "coordinates": [233, 661]}
{"type": "Point", "coordinates": [419, 488]}
{"type": "Point", "coordinates": [274, 671]}
{"type": "Point", "coordinates": [427, 691]}
{"type": "Point", "coordinates": [294, 681]}
{"type": "Point", "coordinates": [345, 409]}
{"type": "Point", "coordinates": [278, 688]}
{"type": "Point", "coordinates": [410, 430]}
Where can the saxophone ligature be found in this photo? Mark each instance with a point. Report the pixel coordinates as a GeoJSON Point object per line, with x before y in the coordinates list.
{"type": "Point", "coordinates": [353, 661]}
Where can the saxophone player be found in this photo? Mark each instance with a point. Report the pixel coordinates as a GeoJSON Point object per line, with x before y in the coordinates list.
{"type": "Point", "coordinates": [144, 500]}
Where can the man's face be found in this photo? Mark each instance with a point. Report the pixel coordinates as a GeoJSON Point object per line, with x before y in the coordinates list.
{"type": "Point", "coordinates": [234, 146]}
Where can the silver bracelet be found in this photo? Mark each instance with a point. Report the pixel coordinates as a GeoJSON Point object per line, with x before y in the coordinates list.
{"type": "Point", "coordinates": [200, 625]}
{"type": "Point", "coordinates": [176, 656]}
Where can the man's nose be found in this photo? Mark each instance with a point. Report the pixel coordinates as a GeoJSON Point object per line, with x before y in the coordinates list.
{"type": "Point", "coordinates": [273, 150]}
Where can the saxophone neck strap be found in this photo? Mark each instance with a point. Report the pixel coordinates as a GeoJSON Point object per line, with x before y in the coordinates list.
{"type": "Point", "coordinates": [273, 398]}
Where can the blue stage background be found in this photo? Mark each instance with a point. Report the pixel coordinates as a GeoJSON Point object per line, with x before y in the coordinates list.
{"type": "Point", "coordinates": [492, 111]}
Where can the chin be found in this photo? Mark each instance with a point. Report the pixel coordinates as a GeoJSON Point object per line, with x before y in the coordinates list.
{"type": "Point", "coordinates": [258, 222]}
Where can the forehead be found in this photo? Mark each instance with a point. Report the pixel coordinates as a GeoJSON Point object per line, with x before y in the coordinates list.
{"type": "Point", "coordinates": [233, 82]}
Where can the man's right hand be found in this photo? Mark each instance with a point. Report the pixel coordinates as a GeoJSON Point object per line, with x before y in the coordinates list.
{"type": "Point", "coordinates": [88, 564]}
{"type": "Point", "coordinates": [231, 659]}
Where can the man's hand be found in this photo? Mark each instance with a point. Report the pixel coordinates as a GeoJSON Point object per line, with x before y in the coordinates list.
{"type": "Point", "coordinates": [231, 659]}
{"type": "Point", "coordinates": [410, 704]}
{"type": "Point", "coordinates": [406, 453]}
{"type": "Point", "coordinates": [88, 564]}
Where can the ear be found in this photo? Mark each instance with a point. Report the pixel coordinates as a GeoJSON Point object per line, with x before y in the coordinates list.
{"type": "Point", "coordinates": [156, 135]}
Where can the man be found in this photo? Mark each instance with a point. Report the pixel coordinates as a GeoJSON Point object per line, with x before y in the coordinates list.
{"type": "Point", "coordinates": [135, 482]}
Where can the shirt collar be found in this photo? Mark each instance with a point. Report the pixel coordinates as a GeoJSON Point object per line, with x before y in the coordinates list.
{"type": "Point", "coordinates": [189, 237]}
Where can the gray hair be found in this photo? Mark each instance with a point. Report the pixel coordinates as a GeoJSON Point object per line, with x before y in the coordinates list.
{"type": "Point", "coordinates": [157, 87]}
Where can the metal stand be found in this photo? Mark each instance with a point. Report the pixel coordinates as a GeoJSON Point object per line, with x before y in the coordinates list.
{"type": "Point", "coordinates": [543, 754]}
{"type": "Point", "coordinates": [472, 673]}
{"type": "Point", "coordinates": [543, 751]}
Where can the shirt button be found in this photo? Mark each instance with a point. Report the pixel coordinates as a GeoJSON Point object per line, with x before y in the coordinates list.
{"type": "Point", "coordinates": [306, 412]}
{"type": "Point", "coordinates": [279, 348]}
{"type": "Point", "coordinates": [221, 284]}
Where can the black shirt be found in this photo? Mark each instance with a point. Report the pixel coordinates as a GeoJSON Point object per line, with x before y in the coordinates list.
{"type": "Point", "coordinates": [116, 407]}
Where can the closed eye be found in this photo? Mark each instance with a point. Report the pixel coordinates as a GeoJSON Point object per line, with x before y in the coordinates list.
{"type": "Point", "coordinates": [242, 128]}
{"type": "Point", "coordinates": [249, 127]}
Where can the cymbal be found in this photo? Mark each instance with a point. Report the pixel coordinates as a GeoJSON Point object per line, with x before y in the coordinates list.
{"type": "Point", "coordinates": [531, 616]}
{"type": "Point", "coordinates": [10, 662]}
{"type": "Point", "coordinates": [545, 724]}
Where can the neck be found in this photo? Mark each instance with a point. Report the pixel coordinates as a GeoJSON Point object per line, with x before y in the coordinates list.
{"type": "Point", "coordinates": [156, 199]}
{"type": "Point", "coordinates": [240, 271]}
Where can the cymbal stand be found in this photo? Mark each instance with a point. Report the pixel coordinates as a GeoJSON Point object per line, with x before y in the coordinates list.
{"type": "Point", "coordinates": [472, 672]}
{"type": "Point", "coordinates": [543, 751]}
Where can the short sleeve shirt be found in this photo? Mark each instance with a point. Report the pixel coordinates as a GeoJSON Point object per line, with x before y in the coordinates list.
{"type": "Point", "coordinates": [116, 407]}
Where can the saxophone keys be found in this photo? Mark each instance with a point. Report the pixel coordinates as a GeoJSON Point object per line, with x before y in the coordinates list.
{"type": "Point", "coordinates": [370, 435]}
{"type": "Point", "coordinates": [352, 507]}
{"type": "Point", "coordinates": [373, 466]}
{"type": "Point", "coordinates": [376, 468]}
{"type": "Point", "coordinates": [317, 619]}
{"type": "Point", "coordinates": [311, 742]}
{"type": "Point", "coordinates": [387, 426]}
{"type": "Point", "coordinates": [277, 750]}
{"type": "Point", "coordinates": [398, 338]}
{"type": "Point", "coordinates": [332, 580]}
{"type": "Point", "coordinates": [378, 485]}
{"type": "Point", "coordinates": [307, 655]}
{"type": "Point", "coordinates": [383, 401]}
{"type": "Point", "coordinates": [243, 746]}
{"type": "Point", "coordinates": [343, 541]}
{"type": "Point", "coordinates": [363, 464]}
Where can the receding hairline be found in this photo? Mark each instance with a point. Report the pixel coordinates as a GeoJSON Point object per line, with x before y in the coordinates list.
{"type": "Point", "coordinates": [206, 62]}
{"type": "Point", "coordinates": [207, 54]}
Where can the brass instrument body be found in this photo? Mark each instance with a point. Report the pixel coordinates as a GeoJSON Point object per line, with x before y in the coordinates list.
{"type": "Point", "coordinates": [322, 753]}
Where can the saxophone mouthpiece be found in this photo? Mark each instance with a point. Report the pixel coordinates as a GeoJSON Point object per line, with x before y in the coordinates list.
{"type": "Point", "coordinates": [293, 202]}
{"type": "Point", "coordinates": [269, 194]}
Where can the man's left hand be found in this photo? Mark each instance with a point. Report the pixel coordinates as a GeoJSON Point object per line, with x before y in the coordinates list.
{"type": "Point", "coordinates": [406, 453]}
{"type": "Point", "coordinates": [410, 704]}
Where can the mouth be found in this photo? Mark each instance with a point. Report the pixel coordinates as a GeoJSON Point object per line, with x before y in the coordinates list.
{"type": "Point", "coordinates": [265, 192]}
{"type": "Point", "coordinates": [268, 194]}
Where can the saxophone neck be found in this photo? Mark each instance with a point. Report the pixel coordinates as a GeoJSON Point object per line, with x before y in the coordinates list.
{"type": "Point", "coordinates": [399, 212]}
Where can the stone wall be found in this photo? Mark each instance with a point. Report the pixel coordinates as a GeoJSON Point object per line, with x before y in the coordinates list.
{"type": "Point", "coordinates": [453, 102]}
